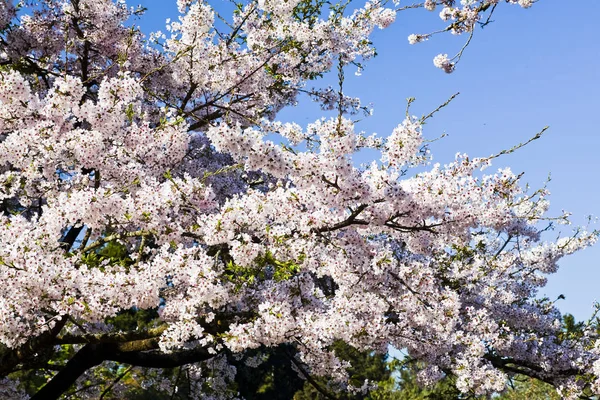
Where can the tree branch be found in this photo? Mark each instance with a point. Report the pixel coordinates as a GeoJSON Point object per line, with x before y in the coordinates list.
{"type": "Point", "coordinates": [119, 337]}
{"type": "Point", "coordinates": [134, 353]}
{"type": "Point", "coordinates": [309, 378]}
{"type": "Point", "coordinates": [10, 358]}
{"type": "Point", "coordinates": [351, 220]}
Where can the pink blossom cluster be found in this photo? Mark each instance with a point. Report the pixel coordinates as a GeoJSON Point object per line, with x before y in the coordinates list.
{"type": "Point", "coordinates": [245, 231]}
{"type": "Point", "coordinates": [463, 18]}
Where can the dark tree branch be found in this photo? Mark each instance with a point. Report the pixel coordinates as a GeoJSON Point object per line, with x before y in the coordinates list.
{"type": "Point", "coordinates": [69, 239]}
{"type": "Point", "coordinates": [161, 360]}
{"type": "Point", "coordinates": [201, 122]}
{"type": "Point", "coordinates": [122, 337]}
{"type": "Point", "coordinates": [141, 353]}
{"type": "Point", "coordinates": [351, 220]}
{"type": "Point", "coordinates": [526, 368]}
{"type": "Point", "coordinates": [403, 228]}
{"type": "Point", "coordinates": [86, 358]}
{"type": "Point", "coordinates": [188, 96]}
{"type": "Point", "coordinates": [309, 378]}
{"type": "Point", "coordinates": [10, 358]}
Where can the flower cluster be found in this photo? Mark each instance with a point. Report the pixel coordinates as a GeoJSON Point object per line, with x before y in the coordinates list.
{"type": "Point", "coordinates": [463, 18]}
{"type": "Point", "coordinates": [142, 180]}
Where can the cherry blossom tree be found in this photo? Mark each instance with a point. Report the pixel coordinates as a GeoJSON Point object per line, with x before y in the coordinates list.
{"type": "Point", "coordinates": [138, 177]}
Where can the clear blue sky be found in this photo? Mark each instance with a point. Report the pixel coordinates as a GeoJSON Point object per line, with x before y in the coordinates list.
{"type": "Point", "coordinates": [530, 68]}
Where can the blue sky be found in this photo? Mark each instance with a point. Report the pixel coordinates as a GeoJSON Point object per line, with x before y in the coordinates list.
{"type": "Point", "coordinates": [530, 68]}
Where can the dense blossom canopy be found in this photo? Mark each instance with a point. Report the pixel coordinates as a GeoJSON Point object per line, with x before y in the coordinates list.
{"type": "Point", "coordinates": [162, 151]}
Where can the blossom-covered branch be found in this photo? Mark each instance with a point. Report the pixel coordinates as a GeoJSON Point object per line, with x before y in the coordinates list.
{"type": "Point", "coordinates": [156, 213]}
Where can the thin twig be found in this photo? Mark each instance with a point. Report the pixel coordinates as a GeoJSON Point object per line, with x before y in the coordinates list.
{"type": "Point", "coordinates": [109, 388]}
{"type": "Point", "coordinates": [517, 147]}
{"type": "Point", "coordinates": [110, 238]}
{"type": "Point", "coordinates": [426, 117]}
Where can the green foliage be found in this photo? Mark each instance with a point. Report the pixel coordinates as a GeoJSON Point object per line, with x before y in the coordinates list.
{"type": "Point", "coordinates": [112, 253]}
{"type": "Point", "coordinates": [272, 379]}
{"type": "Point", "coordinates": [32, 379]}
{"type": "Point", "coordinates": [263, 265]}
{"type": "Point", "coordinates": [571, 329]}
{"type": "Point", "coordinates": [406, 386]}
{"type": "Point", "coordinates": [365, 365]}
{"type": "Point", "coordinates": [133, 319]}
{"type": "Point", "coordinates": [530, 389]}
{"type": "Point", "coordinates": [308, 11]}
